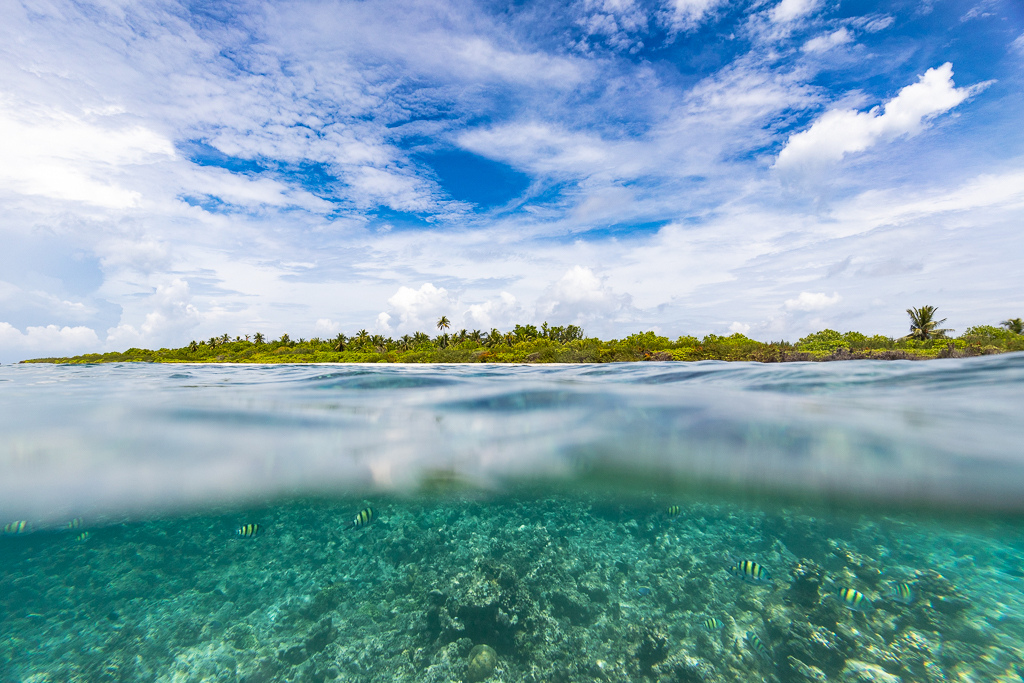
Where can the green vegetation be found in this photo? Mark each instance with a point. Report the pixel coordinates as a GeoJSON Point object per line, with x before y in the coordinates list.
{"type": "Point", "coordinates": [556, 344]}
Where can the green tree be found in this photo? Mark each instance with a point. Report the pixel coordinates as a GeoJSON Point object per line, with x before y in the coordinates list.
{"type": "Point", "coordinates": [258, 338]}
{"type": "Point", "coordinates": [443, 323]}
{"type": "Point", "coordinates": [923, 324]}
{"type": "Point", "coordinates": [1015, 325]}
{"type": "Point", "coordinates": [193, 347]}
{"type": "Point", "coordinates": [339, 342]}
{"type": "Point", "coordinates": [285, 339]}
{"type": "Point", "coordinates": [405, 343]}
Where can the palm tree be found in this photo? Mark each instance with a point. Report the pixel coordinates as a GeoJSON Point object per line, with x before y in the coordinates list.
{"type": "Point", "coordinates": [193, 346]}
{"type": "Point", "coordinates": [225, 338]}
{"type": "Point", "coordinates": [443, 323]}
{"type": "Point", "coordinates": [1015, 325]}
{"type": "Point", "coordinates": [338, 343]}
{"type": "Point", "coordinates": [379, 345]}
{"type": "Point", "coordinates": [405, 343]}
{"type": "Point", "coordinates": [922, 324]}
{"type": "Point", "coordinates": [258, 338]}
{"type": "Point", "coordinates": [494, 337]}
{"type": "Point", "coordinates": [442, 340]}
{"type": "Point", "coordinates": [477, 336]}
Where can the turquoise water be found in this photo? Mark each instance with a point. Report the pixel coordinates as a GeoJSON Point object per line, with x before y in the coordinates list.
{"type": "Point", "coordinates": [637, 522]}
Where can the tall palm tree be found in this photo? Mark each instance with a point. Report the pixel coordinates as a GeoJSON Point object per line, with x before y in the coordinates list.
{"type": "Point", "coordinates": [338, 343]}
{"type": "Point", "coordinates": [1015, 325]}
{"type": "Point", "coordinates": [494, 337]}
{"type": "Point", "coordinates": [443, 323]}
{"type": "Point", "coordinates": [477, 336]}
{"type": "Point", "coordinates": [405, 343]}
{"type": "Point", "coordinates": [923, 325]}
{"type": "Point", "coordinates": [258, 338]}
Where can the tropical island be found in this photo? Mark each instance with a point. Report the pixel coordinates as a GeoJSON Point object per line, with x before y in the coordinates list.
{"type": "Point", "coordinates": [567, 344]}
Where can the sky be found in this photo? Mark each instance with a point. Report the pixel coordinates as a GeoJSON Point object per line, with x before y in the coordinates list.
{"type": "Point", "coordinates": [172, 171]}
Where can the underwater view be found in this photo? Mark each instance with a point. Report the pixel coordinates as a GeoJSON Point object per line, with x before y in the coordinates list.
{"type": "Point", "coordinates": [672, 522]}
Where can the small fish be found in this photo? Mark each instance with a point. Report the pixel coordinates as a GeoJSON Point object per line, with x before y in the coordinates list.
{"type": "Point", "coordinates": [364, 517]}
{"type": "Point", "coordinates": [84, 536]}
{"type": "Point", "coordinates": [248, 530]}
{"type": "Point", "coordinates": [644, 591]}
{"type": "Point", "coordinates": [758, 646]}
{"type": "Point", "coordinates": [673, 510]}
{"type": "Point", "coordinates": [854, 599]}
{"type": "Point", "coordinates": [75, 523]}
{"type": "Point", "coordinates": [18, 527]}
{"type": "Point", "coordinates": [750, 571]}
{"type": "Point", "coordinates": [712, 624]}
{"type": "Point", "coordinates": [902, 592]}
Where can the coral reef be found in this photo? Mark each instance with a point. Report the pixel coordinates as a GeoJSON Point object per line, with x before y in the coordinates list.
{"type": "Point", "coordinates": [526, 589]}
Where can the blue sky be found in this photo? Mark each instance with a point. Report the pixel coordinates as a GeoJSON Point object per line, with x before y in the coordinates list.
{"type": "Point", "coordinates": [173, 171]}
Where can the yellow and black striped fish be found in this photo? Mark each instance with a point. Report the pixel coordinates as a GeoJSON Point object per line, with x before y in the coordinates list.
{"type": "Point", "coordinates": [712, 624]}
{"type": "Point", "coordinates": [75, 523]}
{"type": "Point", "coordinates": [84, 536]}
{"type": "Point", "coordinates": [750, 571]}
{"type": "Point", "coordinates": [248, 530]}
{"type": "Point", "coordinates": [673, 510]}
{"type": "Point", "coordinates": [364, 517]}
{"type": "Point", "coordinates": [758, 646]}
{"type": "Point", "coordinates": [902, 592]}
{"type": "Point", "coordinates": [854, 599]}
{"type": "Point", "coordinates": [18, 527]}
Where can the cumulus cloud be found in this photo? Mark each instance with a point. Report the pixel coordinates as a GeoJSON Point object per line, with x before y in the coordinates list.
{"type": "Point", "coordinates": [41, 341]}
{"type": "Point", "coordinates": [173, 315]}
{"type": "Point", "coordinates": [739, 328]}
{"type": "Point", "coordinates": [580, 295]}
{"type": "Point", "coordinates": [840, 132]}
{"type": "Point", "coordinates": [501, 312]}
{"type": "Point", "coordinates": [812, 301]}
{"type": "Point", "coordinates": [419, 309]}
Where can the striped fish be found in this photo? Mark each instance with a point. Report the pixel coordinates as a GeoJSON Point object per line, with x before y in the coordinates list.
{"type": "Point", "coordinates": [757, 645]}
{"type": "Point", "coordinates": [84, 536]}
{"type": "Point", "coordinates": [364, 517]}
{"type": "Point", "coordinates": [248, 530]}
{"type": "Point", "coordinates": [750, 571]}
{"type": "Point", "coordinates": [902, 592]}
{"type": "Point", "coordinates": [18, 527]}
{"type": "Point", "coordinates": [854, 599]}
{"type": "Point", "coordinates": [673, 510]}
{"type": "Point", "coordinates": [712, 624]}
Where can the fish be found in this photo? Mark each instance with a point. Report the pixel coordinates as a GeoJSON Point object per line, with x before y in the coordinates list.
{"type": "Point", "coordinates": [673, 510]}
{"type": "Point", "coordinates": [902, 592]}
{"type": "Point", "coordinates": [750, 571]}
{"type": "Point", "coordinates": [712, 624]}
{"type": "Point", "coordinates": [854, 599]}
{"type": "Point", "coordinates": [364, 517]}
{"type": "Point", "coordinates": [84, 536]}
{"type": "Point", "coordinates": [18, 527]}
{"type": "Point", "coordinates": [644, 591]}
{"type": "Point", "coordinates": [758, 646]}
{"type": "Point", "coordinates": [75, 523]}
{"type": "Point", "coordinates": [248, 530]}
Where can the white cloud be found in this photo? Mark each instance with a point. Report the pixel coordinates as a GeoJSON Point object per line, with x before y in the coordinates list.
{"type": "Point", "coordinates": [828, 41]}
{"type": "Point", "coordinates": [50, 153]}
{"type": "Point", "coordinates": [325, 327]}
{"type": "Point", "coordinates": [788, 10]}
{"type": "Point", "coordinates": [812, 301]}
{"type": "Point", "coordinates": [502, 312]}
{"type": "Point", "coordinates": [685, 15]}
{"type": "Point", "coordinates": [580, 295]}
{"type": "Point", "coordinates": [840, 132]}
{"type": "Point", "coordinates": [172, 317]}
{"type": "Point", "coordinates": [41, 341]}
{"type": "Point", "coordinates": [739, 328]}
{"type": "Point", "coordinates": [419, 309]}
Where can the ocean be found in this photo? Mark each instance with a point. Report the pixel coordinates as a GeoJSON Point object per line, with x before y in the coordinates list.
{"type": "Point", "coordinates": [703, 522]}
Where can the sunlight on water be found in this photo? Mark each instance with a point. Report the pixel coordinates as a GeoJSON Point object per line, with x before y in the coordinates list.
{"type": "Point", "coordinates": [646, 522]}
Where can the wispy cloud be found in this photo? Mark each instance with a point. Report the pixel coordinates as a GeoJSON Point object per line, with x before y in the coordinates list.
{"type": "Point", "coordinates": [168, 171]}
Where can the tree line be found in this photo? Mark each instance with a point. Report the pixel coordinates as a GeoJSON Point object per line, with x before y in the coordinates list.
{"type": "Point", "coordinates": [568, 344]}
